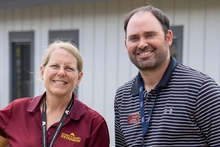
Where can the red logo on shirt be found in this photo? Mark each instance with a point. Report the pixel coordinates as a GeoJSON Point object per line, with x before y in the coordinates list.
{"type": "Point", "coordinates": [133, 118]}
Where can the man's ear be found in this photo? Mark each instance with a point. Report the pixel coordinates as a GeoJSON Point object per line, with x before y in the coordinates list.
{"type": "Point", "coordinates": [125, 43]}
{"type": "Point", "coordinates": [169, 37]}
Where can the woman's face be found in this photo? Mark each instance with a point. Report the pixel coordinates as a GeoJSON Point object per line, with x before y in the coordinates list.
{"type": "Point", "coordinates": [60, 75]}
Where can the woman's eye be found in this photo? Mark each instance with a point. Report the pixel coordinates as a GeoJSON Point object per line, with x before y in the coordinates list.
{"type": "Point", "coordinates": [70, 69]}
{"type": "Point", "coordinates": [54, 66]}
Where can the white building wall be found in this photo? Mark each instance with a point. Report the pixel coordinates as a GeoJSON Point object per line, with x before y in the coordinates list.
{"type": "Point", "coordinates": [211, 59]}
{"type": "Point", "coordinates": [101, 42]}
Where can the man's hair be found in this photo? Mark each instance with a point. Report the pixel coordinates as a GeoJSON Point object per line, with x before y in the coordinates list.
{"type": "Point", "coordinates": [160, 16]}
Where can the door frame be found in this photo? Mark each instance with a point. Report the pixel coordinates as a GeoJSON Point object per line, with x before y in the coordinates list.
{"type": "Point", "coordinates": [178, 36]}
{"type": "Point", "coordinates": [19, 37]}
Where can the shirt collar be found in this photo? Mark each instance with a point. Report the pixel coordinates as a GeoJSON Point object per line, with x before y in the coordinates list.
{"type": "Point", "coordinates": [77, 111]}
{"type": "Point", "coordinates": [163, 82]}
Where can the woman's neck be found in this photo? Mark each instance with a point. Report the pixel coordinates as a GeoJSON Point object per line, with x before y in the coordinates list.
{"type": "Point", "coordinates": [55, 107]}
{"type": "Point", "coordinates": [57, 103]}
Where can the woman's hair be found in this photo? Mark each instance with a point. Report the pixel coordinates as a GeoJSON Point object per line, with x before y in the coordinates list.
{"type": "Point", "coordinates": [160, 16]}
{"type": "Point", "coordinates": [67, 46]}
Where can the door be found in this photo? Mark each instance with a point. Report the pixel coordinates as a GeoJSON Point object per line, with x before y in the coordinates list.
{"type": "Point", "coordinates": [176, 47]}
{"type": "Point", "coordinates": [21, 64]}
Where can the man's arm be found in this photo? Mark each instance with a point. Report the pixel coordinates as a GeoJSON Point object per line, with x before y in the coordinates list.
{"type": "Point", "coordinates": [119, 138]}
{"type": "Point", "coordinates": [207, 112]}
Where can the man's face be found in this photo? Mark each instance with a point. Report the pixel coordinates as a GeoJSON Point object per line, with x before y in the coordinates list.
{"type": "Point", "coordinates": [145, 42]}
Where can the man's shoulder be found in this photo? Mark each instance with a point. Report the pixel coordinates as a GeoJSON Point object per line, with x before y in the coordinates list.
{"type": "Point", "coordinates": [184, 70]}
{"type": "Point", "coordinates": [127, 85]}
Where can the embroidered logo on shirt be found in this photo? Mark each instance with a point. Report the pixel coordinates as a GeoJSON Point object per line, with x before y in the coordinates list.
{"type": "Point", "coordinates": [168, 110]}
{"type": "Point", "coordinates": [71, 137]}
{"type": "Point", "coordinates": [133, 118]}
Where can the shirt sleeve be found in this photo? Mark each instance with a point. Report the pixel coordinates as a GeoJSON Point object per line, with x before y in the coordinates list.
{"type": "Point", "coordinates": [119, 138]}
{"type": "Point", "coordinates": [207, 112]}
{"type": "Point", "coordinates": [5, 115]}
{"type": "Point", "coordinates": [100, 134]}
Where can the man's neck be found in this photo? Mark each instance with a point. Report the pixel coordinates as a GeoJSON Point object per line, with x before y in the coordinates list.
{"type": "Point", "coordinates": [152, 77]}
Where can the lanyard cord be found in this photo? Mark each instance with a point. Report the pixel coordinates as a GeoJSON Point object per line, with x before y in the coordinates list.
{"type": "Point", "coordinates": [58, 128]}
{"type": "Point", "coordinates": [144, 123]}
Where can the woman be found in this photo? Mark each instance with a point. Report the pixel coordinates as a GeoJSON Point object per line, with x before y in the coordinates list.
{"type": "Point", "coordinates": [3, 142]}
{"type": "Point", "coordinates": [55, 118]}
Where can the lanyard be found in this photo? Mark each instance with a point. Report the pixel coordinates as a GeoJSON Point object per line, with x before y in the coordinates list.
{"type": "Point", "coordinates": [144, 123]}
{"type": "Point", "coordinates": [58, 128]}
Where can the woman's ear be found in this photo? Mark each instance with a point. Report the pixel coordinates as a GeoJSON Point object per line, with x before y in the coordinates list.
{"type": "Point", "coordinates": [80, 77]}
{"type": "Point", "coordinates": [42, 72]}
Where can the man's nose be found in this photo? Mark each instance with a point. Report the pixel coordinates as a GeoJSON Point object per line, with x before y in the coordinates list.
{"type": "Point", "coordinates": [142, 43]}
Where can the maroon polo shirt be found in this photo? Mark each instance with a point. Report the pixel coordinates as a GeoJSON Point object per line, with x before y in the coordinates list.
{"type": "Point", "coordinates": [21, 123]}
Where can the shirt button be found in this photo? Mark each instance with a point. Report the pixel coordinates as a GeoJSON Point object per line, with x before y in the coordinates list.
{"type": "Point", "coordinates": [48, 133]}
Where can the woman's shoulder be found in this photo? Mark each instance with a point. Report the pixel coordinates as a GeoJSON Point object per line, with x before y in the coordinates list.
{"type": "Point", "coordinates": [19, 102]}
{"type": "Point", "coordinates": [90, 112]}
{"type": "Point", "coordinates": [24, 102]}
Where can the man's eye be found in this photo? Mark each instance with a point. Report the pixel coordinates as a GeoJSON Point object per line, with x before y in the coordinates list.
{"type": "Point", "coordinates": [133, 38]}
{"type": "Point", "coordinates": [150, 35]}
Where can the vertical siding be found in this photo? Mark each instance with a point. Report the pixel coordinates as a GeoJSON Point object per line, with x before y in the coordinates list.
{"type": "Point", "coordinates": [8, 26]}
{"type": "Point", "coordinates": [111, 55]}
{"type": "Point", "coordinates": [88, 45]}
{"type": "Point", "coordinates": [3, 61]}
{"type": "Point", "coordinates": [66, 17]}
{"type": "Point", "coordinates": [36, 25]}
{"type": "Point", "coordinates": [17, 20]}
{"type": "Point", "coordinates": [168, 8]}
{"type": "Point", "coordinates": [197, 33]}
{"type": "Point", "coordinates": [99, 56]}
{"type": "Point", "coordinates": [26, 19]}
{"type": "Point", "coordinates": [181, 15]}
{"type": "Point", "coordinates": [77, 21]}
{"type": "Point", "coordinates": [101, 42]}
{"type": "Point", "coordinates": [45, 13]}
{"type": "Point", "coordinates": [123, 65]}
{"type": "Point", "coordinates": [212, 40]}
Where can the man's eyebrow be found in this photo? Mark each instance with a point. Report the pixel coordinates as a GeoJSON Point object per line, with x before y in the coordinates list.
{"type": "Point", "coordinates": [133, 35]}
{"type": "Point", "coordinates": [147, 32]}
{"type": "Point", "coordinates": [150, 32]}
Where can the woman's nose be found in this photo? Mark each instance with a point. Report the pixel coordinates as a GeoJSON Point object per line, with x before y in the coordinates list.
{"type": "Point", "coordinates": [61, 72]}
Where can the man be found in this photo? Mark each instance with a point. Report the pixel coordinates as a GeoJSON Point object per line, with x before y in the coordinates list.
{"type": "Point", "coordinates": [167, 103]}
